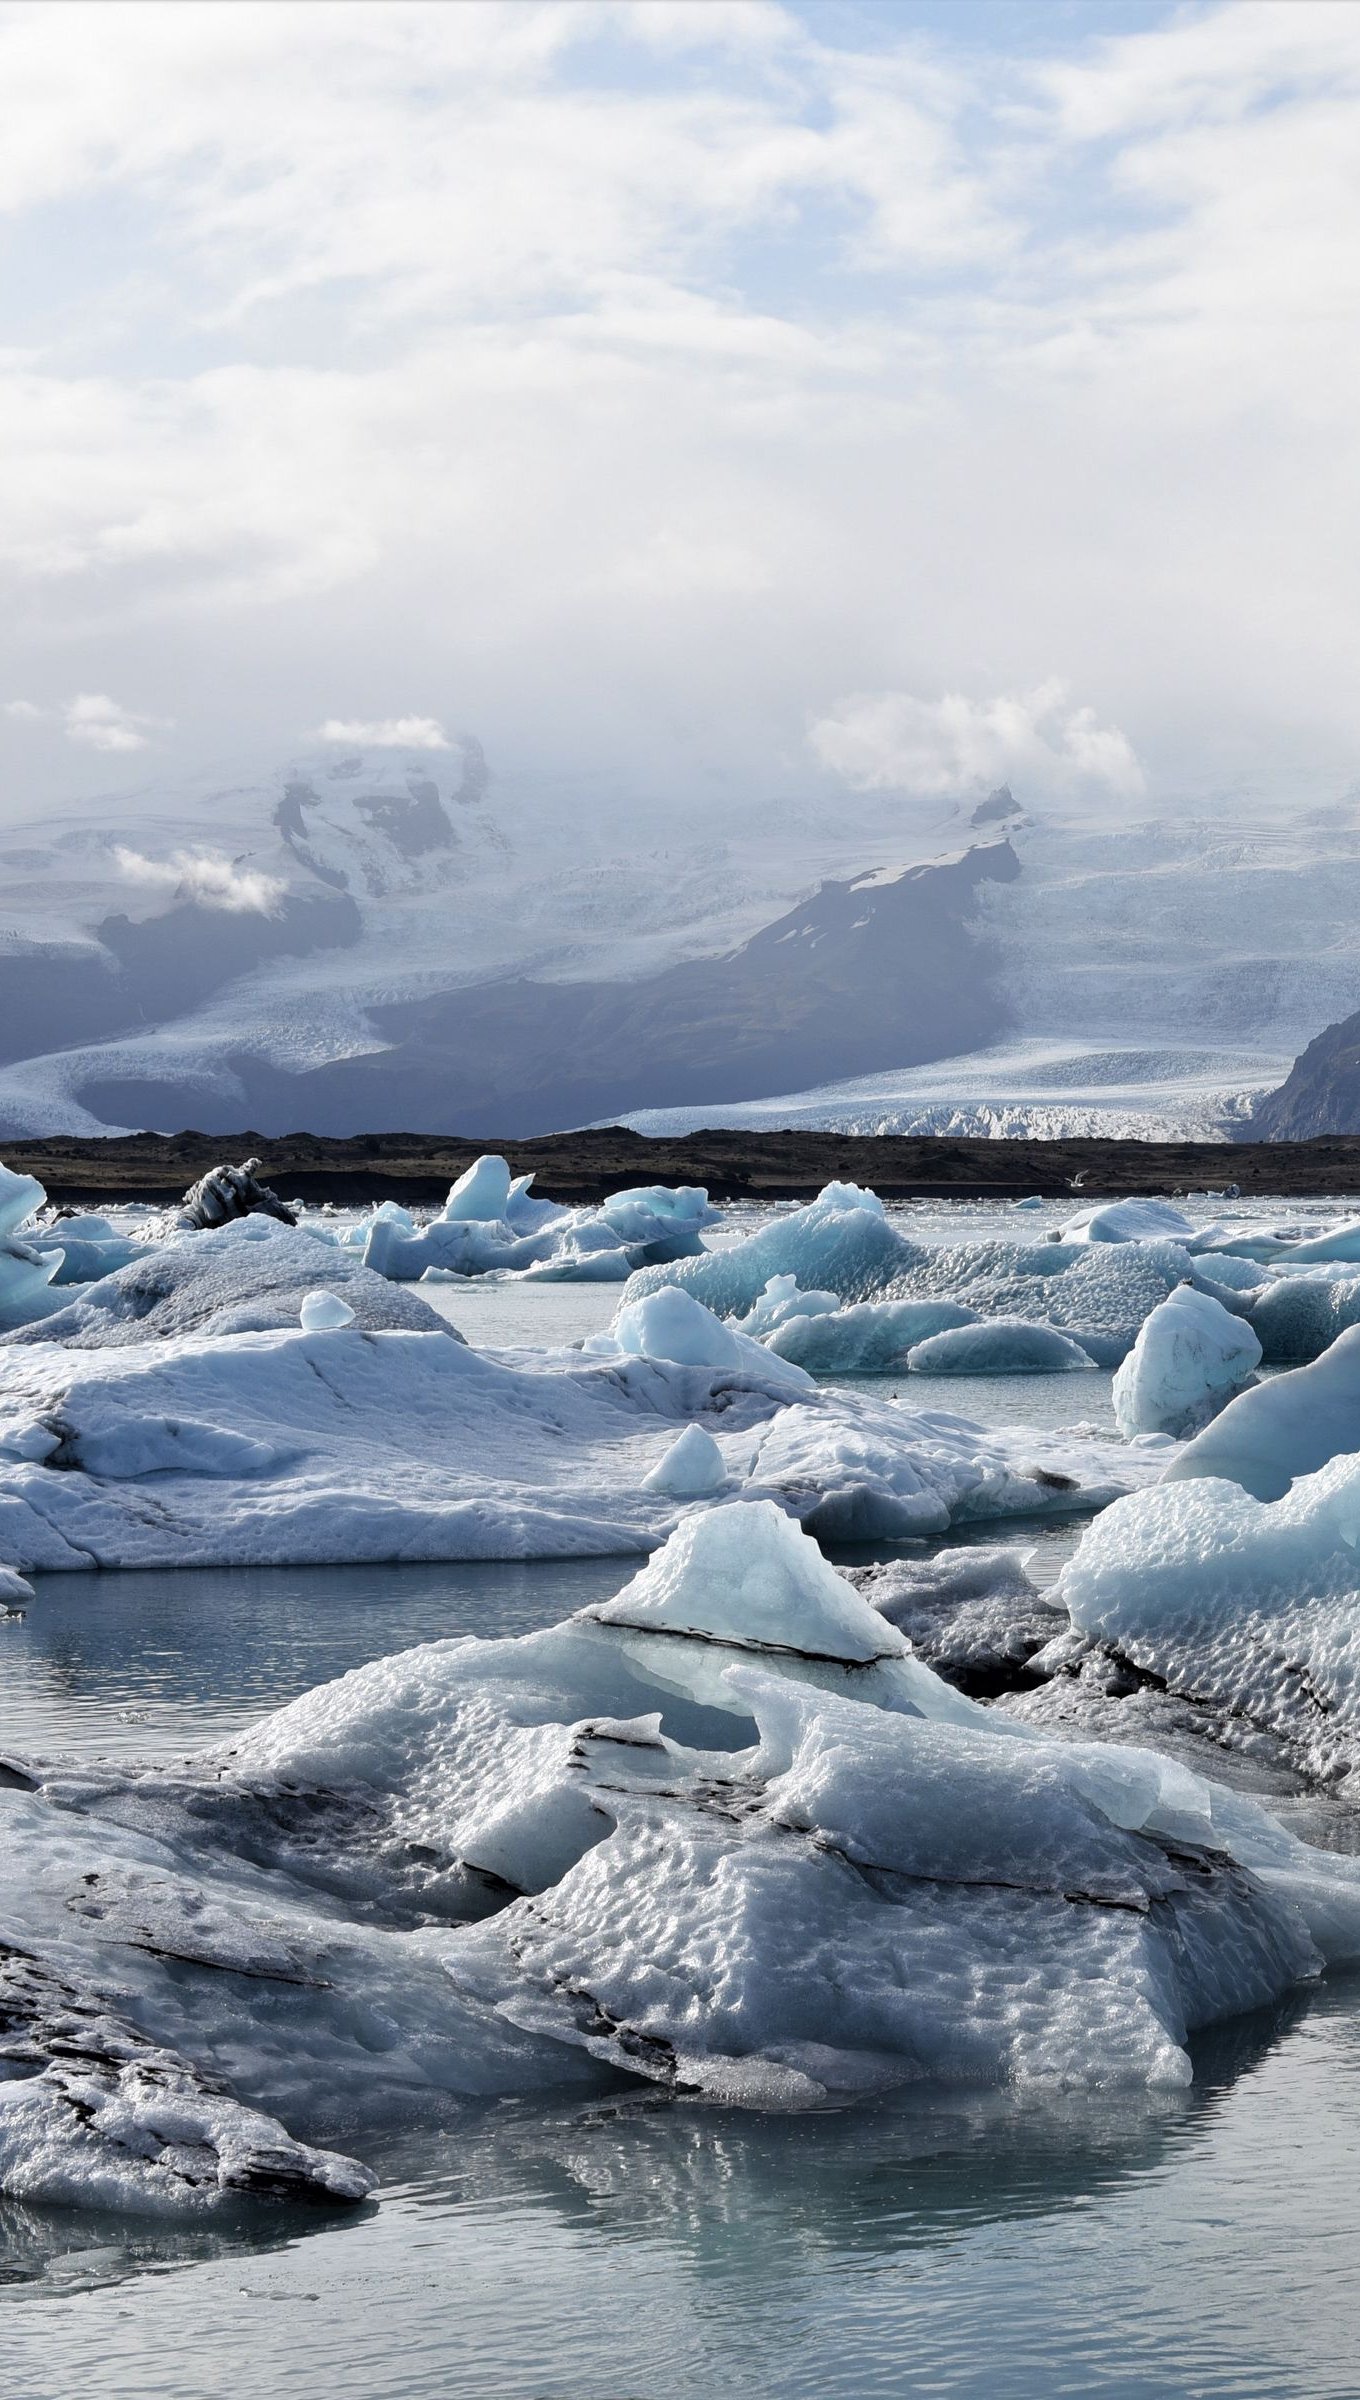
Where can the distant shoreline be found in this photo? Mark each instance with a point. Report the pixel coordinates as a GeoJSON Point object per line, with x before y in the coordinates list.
{"type": "Point", "coordinates": [735, 1165]}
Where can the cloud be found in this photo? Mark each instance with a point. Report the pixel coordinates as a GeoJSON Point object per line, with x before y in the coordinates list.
{"type": "Point", "coordinates": [890, 741]}
{"type": "Point", "coordinates": [384, 733]}
{"type": "Point", "coordinates": [100, 723]}
{"type": "Point", "coordinates": [626, 379]}
{"type": "Point", "coordinates": [24, 711]}
{"type": "Point", "coordinates": [206, 877]}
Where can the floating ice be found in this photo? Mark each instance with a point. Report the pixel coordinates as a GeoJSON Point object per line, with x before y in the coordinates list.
{"type": "Point", "coordinates": [1298, 1316]}
{"type": "Point", "coordinates": [842, 1246]}
{"type": "Point", "coordinates": [25, 1270]}
{"type": "Point", "coordinates": [841, 1243]}
{"type": "Point", "coordinates": [247, 1277]}
{"type": "Point", "coordinates": [999, 1346]}
{"type": "Point", "coordinates": [1189, 1359]}
{"type": "Point", "coordinates": [490, 1224]}
{"type": "Point", "coordinates": [1128, 1221]}
{"type": "Point", "coordinates": [323, 1312]}
{"type": "Point", "coordinates": [481, 1193]}
{"type": "Point", "coordinates": [723, 1835]}
{"type": "Point", "coordinates": [294, 1447]}
{"type": "Point", "coordinates": [1281, 1429]}
{"type": "Point", "coordinates": [692, 1469]}
{"type": "Point", "coordinates": [872, 1337]}
{"type": "Point", "coordinates": [1253, 1607]}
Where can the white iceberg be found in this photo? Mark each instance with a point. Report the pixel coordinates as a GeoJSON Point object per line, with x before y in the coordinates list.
{"type": "Point", "coordinates": [1190, 1357]}
{"type": "Point", "coordinates": [293, 1447]}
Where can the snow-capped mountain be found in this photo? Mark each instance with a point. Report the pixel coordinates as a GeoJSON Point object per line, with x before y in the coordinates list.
{"type": "Point", "coordinates": [382, 938]}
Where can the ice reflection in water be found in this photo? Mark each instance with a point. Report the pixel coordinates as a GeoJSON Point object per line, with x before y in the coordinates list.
{"type": "Point", "coordinates": [1197, 2244]}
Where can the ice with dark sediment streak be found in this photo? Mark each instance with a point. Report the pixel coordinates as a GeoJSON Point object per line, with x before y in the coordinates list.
{"type": "Point", "coordinates": [724, 1835]}
{"type": "Point", "coordinates": [1250, 1607]}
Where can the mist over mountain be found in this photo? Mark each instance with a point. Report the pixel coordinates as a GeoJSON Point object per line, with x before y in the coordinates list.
{"type": "Point", "coordinates": [371, 938]}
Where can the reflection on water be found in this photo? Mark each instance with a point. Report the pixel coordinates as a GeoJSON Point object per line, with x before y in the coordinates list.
{"type": "Point", "coordinates": [160, 1660]}
{"type": "Point", "coordinates": [1197, 2244]}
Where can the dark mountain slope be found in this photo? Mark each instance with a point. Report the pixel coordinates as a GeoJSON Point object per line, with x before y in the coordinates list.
{"type": "Point", "coordinates": [879, 972]}
{"type": "Point", "coordinates": [1320, 1094]}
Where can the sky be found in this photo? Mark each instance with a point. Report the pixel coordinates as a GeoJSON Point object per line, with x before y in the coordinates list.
{"type": "Point", "coordinates": [840, 396]}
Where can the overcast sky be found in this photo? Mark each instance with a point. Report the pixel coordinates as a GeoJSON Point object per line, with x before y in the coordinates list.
{"type": "Point", "coordinates": [892, 395]}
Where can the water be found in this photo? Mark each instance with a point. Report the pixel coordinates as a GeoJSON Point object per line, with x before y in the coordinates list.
{"type": "Point", "coordinates": [1197, 2247]}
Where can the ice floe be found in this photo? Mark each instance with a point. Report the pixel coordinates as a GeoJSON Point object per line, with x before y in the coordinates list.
{"type": "Point", "coordinates": [301, 1446]}
{"type": "Point", "coordinates": [724, 1835]}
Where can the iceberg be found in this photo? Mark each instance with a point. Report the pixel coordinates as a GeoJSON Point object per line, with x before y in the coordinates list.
{"type": "Point", "coordinates": [1129, 1221]}
{"type": "Point", "coordinates": [1275, 1431]}
{"type": "Point", "coordinates": [999, 1346]}
{"type": "Point", "coordinates": [724, 1836]}
{"type": "Point", "coordinates": [871, 1337]}
{"type": "Point", "coordinates": [842, 1247]}
{"type": "Point", "coordinates": [25, 1269]}
{"type": "Point", "coordinates": [1298, 1316]}
{"type": "Point", "coordinates": [1189, 1360]}
{"type": "Point", "coordinates": [292, 1447]}
{"type": "Point", "coordinates": [249, 1276]}
{"type": "Point", "coordinates": [1251, 1606]}
{"type": "Point", "coordinates": [491, 1224]}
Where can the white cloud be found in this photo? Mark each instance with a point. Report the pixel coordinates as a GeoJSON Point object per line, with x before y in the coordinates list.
{"type": "Point", "coordinates": [384, 733]}
{"type": "Point", "coordinates": [207, 877]}
{"type": "Point", "coordinates": [100, 723]}
{"type": "Point", "coordinates": [24, 711]}
{"type": "Point", "coordinates": [890, 741]}
{"type": "Point", "coordinates": [625, 379]}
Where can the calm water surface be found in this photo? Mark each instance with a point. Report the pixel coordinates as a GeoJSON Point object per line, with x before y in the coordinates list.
{"type": "Point", "coordinates": [1203, 2245]}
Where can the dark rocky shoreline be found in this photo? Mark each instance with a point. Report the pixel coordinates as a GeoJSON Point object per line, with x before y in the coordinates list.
{"type": "Point", "coordinates": [419, 1168]}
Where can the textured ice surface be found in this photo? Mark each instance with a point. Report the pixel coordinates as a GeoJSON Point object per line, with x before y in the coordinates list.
{"type": "Point", "coordinates": [841, 1243]}
{"type": "Point", "coordinates": [1298, 1316]}
{"type": "Point", "coordinates": [724, 1835]}
{"type": "Point", "coordinates": [1099, 1292]}
{"type": "Point", "coordinates": [1252, 1606]}
{"type": "Point", "coordinates": [999, 1346]}
{"type": "Point", "coordinates": [1289, 1426]}
{"type": "Point", "coordinates": [245, 1278]}
{"type": "Point", "coordinates": [972, 1613]}
{"type": "Point", "coordinates": [1190, 1357]}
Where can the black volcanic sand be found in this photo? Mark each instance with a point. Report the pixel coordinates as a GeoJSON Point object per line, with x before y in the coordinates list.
{"type": "Point", "coordinates": [419, 1168]}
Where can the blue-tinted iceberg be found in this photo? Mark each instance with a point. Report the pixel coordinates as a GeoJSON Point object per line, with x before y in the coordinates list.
{"type": "Point", "coordinates": [492, 1224]}
{"type": "Point", "coordinates": [1278, 1430]}
{"type": "Point", "coordinates": [999, 1346]}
